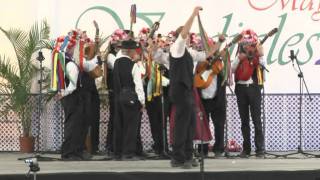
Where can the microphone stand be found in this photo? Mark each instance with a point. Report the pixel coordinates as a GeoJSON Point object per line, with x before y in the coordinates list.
{"type": "Point", "coordinates": [302, 83]}
{"type": "Point", "coordinates": [201, 141]}
{"type": "Point", "coordinates": [226, 137]}
{"type": "Point", "coordinates": [40, 58]}
{"type": "Point", "coordinates": [164, 121]}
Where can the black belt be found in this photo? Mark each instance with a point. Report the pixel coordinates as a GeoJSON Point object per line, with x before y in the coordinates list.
{"type": "Point", "coordinates": [246, 85]}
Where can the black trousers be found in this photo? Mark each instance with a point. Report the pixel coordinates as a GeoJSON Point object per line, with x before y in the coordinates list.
{"type": "Point", "coordinates": [75, 125]}
{"type": "Point", "coordinates": [125, 128]}
{"type": "Point", "coordinates": [139, 146]}
{"type": "Point", "coordinates": [154, 111]}
{"type": "Point", "coordinates": [249, 99]}
{"type": "Point", "coordinates": [94, 106]}
{"type": "Point", "coordinates": [184, 129]}
{"type": "Point", "coordinates": [109, 144]}
{"type": "Point", "coordinates": [216, 109]}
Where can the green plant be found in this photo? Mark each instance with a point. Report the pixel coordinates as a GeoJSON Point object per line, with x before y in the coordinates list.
{"type": "Point", "coordinates": [16, 73]}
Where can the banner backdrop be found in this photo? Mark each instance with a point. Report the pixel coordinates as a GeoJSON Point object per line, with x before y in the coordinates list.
{"type": "Point", "coordinates": [297, 20]}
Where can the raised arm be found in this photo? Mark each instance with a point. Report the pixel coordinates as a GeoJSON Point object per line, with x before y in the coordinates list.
{"type": "Point", "coordinates": [178, 47]}
{"type": "Point", "coordinates": [187, 26]}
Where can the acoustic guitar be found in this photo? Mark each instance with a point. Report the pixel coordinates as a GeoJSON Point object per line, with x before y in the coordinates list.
{"type": "Point", "coordinates": [205, 71]}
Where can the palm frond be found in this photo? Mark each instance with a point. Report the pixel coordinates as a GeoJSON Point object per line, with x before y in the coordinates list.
{"type": "Point", "coordinates": [18, 78]}
{"type": "Point", "coordinates": [103, 39]}
{"type": "Point", "coordinates": [47, 44]}
{"type": "Point", "coordinates": [18, 39]}
{"type": "Point", "coordinates": [38, 35]}
{"type": "Point", "coordinates": [7, 70]}
{"type": "Point", "coordinates": [5, 88]}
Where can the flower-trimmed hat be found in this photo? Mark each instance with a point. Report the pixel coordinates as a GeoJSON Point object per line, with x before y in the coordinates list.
{"type": "Point", "coordinates": [129, 44]}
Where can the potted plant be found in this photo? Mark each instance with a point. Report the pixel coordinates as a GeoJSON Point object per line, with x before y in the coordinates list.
{"type": "Point", "coordinates": [17, 72]}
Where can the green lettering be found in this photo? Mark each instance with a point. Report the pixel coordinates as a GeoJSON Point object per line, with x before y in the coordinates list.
{"type": "Point", "coordinates": [105, 9]}
{"type": "Point", "coordinates": [275, 40]}
{"type": "Point", "coordinates": [281, 60]}
{"type": "Point", "coordinates": [309, 47]}
{"type": "Point", "coordinates": [144, 16]}
{"type": "Point", "coordinates": [228, 21]}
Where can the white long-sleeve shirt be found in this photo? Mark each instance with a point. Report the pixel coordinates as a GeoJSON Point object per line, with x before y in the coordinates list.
{"type": "Point", "coordinates": [72, 71]}
{"type": "Point", "coordinates": [177, 50]}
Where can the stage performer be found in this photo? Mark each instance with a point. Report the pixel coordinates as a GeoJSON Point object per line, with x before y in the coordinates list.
{"type": "Point", "coordinates": [113, 52]}
{"type": "Point", "coordinates": [155, 86]}
{"type": "Point", "coordinates": [249, 81]}
{"type": "Point", "coordinates": [92, 99]}
{"type": "Point", "coordinates": [68, 79]}
{"type": "Point", "coordinates": [129, 101]}
{"type": "Point", "coordinates": [213, 98]}
{"type": "Point", "coordinates": [181, 94]}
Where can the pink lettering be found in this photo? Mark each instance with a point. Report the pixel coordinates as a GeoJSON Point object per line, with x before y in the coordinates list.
{"type": "Point", "coordinates": [284, 4]}
{"type": "Point", "coordinates": [304, 7]}
{"type": "Point", "coordinates": [261, 8]}
{"type": "Point", "coordinates": [315, 16]}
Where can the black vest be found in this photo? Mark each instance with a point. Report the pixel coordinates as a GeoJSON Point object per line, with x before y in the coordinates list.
{"type": "Point", "coordinates": [181, 77]}
{"type": "Point", "coordinates": [110, 79]}
{"type": "Point", "coordinates": [84, 82]}
{"type": "Point", "coordinates": [122, 74]}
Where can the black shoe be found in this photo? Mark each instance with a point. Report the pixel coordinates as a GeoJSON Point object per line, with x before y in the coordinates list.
{"type": "Point", "coordinates": [218, 155]}
{"type": "Point", "coordinates": [164, 155]}
{"type": "Point", "coordinates": [260, 154]}
{"type": "Point", "coordinates": [194, 162]}
{"type": "Point", "coordinates": [71, 158]}
{"type": "Point", "coordinates": [187, 165]}
{"type": "Point", "coordinates": [99, 153]}
{"type": "Point", "coordinates": [117, 157]}
{"type": "Point", "coordinates": [244, 155]}
{"type": "Point", "coordinates": [175, 163]}
{"type": "Point", "coordinates": [142, 155]}
{"type": "Point", "coordinates": [131, 158]}
{"type": "Point", "coordinates": [86, 156]}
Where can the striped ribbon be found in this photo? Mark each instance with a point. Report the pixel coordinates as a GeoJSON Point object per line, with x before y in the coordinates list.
{"type": "Point", "coordinates": [133, 13]}
{"type": "Point", "coordinates": [81, 55]}
{"type": "Point", "coordinates": [227, 69]}
{"type": "Point", "coordinates": [154, 83]}
{"type": "Point", "coordinates": [54, 75]}
{"type": "Point", "coordinates": [259, 75]}
{"type": "Point", "coordinates": [133, 16]}
{"type": "Point", "coordinates": [204, 37]}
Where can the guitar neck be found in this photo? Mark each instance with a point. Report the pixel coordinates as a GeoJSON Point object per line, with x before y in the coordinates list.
{"type": "Point", "coordinates": [96, 41]}
{"type": "Point", "coordinates": [264, 39]}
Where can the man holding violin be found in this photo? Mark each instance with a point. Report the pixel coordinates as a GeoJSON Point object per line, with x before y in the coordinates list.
{"type": "Point", "coordinates": [249, 81]}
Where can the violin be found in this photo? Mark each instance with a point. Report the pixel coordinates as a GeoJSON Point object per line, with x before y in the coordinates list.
{"type": "Point", "coordinates": [205, 71]}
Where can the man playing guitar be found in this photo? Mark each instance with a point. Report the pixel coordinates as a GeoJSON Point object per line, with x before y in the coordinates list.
{"type": "Point", "coordinates": [249, 80]}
